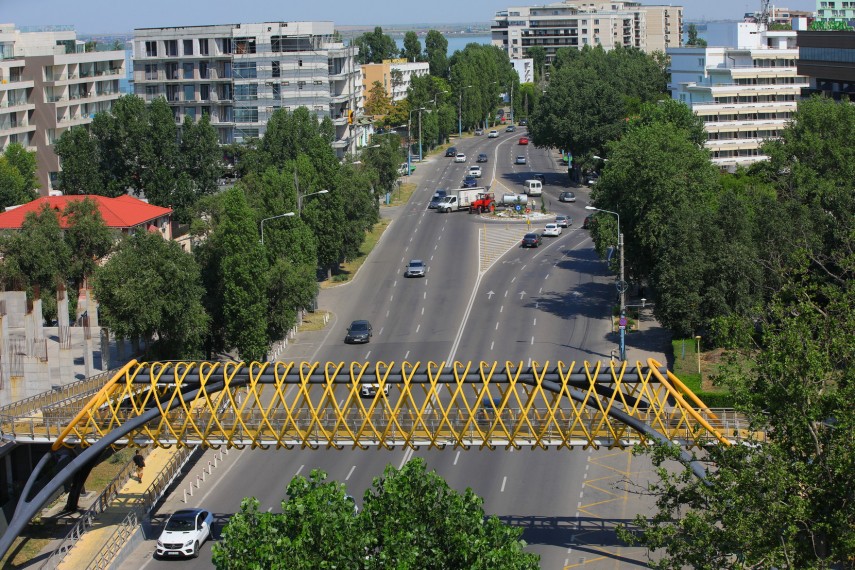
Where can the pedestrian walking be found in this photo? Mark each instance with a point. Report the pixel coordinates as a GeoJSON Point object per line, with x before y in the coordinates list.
{"type": "Point", "coordinates": [140, 463]}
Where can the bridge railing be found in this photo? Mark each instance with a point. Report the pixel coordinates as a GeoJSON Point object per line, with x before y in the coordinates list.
{"type": "Point", "coordinates": [72, 391]}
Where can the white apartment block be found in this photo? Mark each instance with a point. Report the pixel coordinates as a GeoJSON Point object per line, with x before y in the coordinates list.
{"type": "Point", "coordinates": [576, 24]}
{"type": "Point", "coordinates": [395, 75]}
{"type": "Point", "coordinates": [239, 74]}
{"type": "Point", "coordinates": [406, 71]}
{"type": "Point", "coordinates": [745, 95]}
{"type": "Point", "coordinates": [48, 84]}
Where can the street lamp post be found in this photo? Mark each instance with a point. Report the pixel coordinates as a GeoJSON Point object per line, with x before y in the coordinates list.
{"type": "Point", "coordinates": [420, 133]}
{"type": "Point", "coordinates": [621, 283]}
{"type": "Point", "coordinates": [285, 215]}
{"type": "Point", "coordinates": [300, 199]}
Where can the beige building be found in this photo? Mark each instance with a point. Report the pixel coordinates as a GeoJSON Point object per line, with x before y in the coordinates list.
{"type": "Point", "coordinates": [239, 74]}
{"type": "Point", "coordinates": [48, 84]}
{"type": "Point", "coordinates": [393, 74]}
{"type": "Point", "coordinates": [591, 22]}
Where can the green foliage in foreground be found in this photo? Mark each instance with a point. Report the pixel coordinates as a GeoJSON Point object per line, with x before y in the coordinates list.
{"type": "Point", "coordinates": [411, 519]}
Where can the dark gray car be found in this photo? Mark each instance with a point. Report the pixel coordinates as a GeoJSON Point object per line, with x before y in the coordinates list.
{"type": "Point", "coordinates": [358, 332]}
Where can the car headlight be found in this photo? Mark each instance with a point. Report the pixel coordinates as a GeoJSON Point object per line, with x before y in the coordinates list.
{"type": "Point", "coordinates": [188, 543]}
{"type": "Point", "coordinates": [159, 544]}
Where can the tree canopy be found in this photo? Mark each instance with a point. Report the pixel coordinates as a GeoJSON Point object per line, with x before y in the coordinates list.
{"type": "Point", "coordinates": [412, 50]}
{"type": "Point", "coordinates": [375, 46]}
{"type": "Point", "coordinates": [436, 52]}
{"type": "Point", "coordinates": [17, 176]}
{"type": "Point", "coordinates": [411, 518]}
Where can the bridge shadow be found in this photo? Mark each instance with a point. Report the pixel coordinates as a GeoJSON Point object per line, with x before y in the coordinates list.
{"type": "Point", "coordinates": [582, 534]}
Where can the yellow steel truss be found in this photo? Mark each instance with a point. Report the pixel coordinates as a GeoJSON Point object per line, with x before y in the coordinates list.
{"type": "Point", "coordinates": [284, 404]}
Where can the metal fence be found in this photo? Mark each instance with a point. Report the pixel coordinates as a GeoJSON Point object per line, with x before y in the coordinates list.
{"type": "Point", "coordinates": [70, 391]}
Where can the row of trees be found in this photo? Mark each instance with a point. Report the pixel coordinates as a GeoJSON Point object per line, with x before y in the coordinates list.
{"type": "Point", "coordinates": [761, 262]}
{"type": "Point", "coordinates": [375, 46]}
{"type": "Point", "coordinates": [18, 182]}
{"type": "Point", "coordinates": [410, 518]}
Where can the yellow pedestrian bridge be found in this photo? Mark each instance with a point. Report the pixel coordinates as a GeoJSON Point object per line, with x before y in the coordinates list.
{"type": "Point", "coordinates": [362, 404]}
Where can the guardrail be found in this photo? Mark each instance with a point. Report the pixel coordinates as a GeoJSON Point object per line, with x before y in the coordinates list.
{"type": "Point", "coordinates": [131, 523]}
{"type": "Point", "coordinates": [29, 405]}
{"type": "Point", "coordinates": [87, 519]}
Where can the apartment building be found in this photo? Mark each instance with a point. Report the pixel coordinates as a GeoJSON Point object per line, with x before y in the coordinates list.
{"type": "Point", "coordinates": [393, 74]}
{"type": "Point", "coordinates": [588, 22]}
{"type": "Point", "coordinates": [239, 74]}
{"type": "Point", "coordinates": [827, 59]}
{"type": "Point", "coordinates": [745, 94]}
{"type": "Point", "coordinates": [48, 84]}
{"type": "Point", "coordinates": [828, 11]}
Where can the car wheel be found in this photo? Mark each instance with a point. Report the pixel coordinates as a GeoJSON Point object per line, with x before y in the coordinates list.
{"type": "Point", "coordinates": [196, 549]}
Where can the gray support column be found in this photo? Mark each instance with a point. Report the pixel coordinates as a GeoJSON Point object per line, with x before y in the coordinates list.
{"type": "Point", "coordinates": [63, 331]}
{"type": "Point", "coordinates": [105, 349]}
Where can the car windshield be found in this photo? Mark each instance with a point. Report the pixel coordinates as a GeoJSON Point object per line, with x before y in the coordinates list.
{"type": "Point", "coordinates": [530, 236]}
{"type": "Point", "coordinates": [416, 264]}
{"type": "Point", "coordinates": [359, 327]}
{"type": "Point", "coordinates": [181, 523]}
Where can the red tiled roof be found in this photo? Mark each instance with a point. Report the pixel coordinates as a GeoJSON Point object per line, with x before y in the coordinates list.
{"type": "Point", "coordinates": [118, 213]}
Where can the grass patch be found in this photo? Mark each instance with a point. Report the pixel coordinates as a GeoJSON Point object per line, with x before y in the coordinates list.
{"type": "Point", "coordinates": [347, 270]}
{"type": "Point", "coordinates": [686, 369]}
{"type": "Point", "coordinates": [401, 195]}
{"type": "Point", "coordinates": [313, 321]}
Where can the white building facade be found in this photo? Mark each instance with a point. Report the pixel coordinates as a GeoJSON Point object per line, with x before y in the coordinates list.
{"type": "Point", "coordinates": [49, 84]}
{"type": "Point", "coordinates": [239, 74]}
{"type": "Point", "coordinates": [745, 95]}
{"type": "Point", "coordinates": [576, 24]}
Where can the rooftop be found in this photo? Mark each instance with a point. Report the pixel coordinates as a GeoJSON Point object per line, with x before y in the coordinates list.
{"type": "Point", "coordinates": [119, 213]}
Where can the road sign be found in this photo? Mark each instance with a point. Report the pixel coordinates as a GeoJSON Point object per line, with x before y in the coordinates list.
{"type": "Point", "coordinates": [518, 207]}
{"type": "Point", "coordinates": [621, 286]}
{"type": "Point", "coordinates": [622, 322]}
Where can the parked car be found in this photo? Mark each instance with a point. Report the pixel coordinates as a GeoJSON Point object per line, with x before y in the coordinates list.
{"type": "Point", "coordinates": [451, 152]}
{"type": "Point", "coordinates": [493, 135]}
{"type": "Point", "coordinates": [592, 178]}
{"type": "Point", "coordinates": [482, 157]}
{"type": "Point", "coordinates": [474, 171]}
{"type": "Point", "coordinates": [358, 331]}
{"type": "Point", "coordinates": [523, 140]}
{"type": "Point", "coordinates": [470, 182]}
{"type": "Point", "coordinates": [510, 129]}
{"type": "Point", "coordinates": [553, 230]}
{"type": "Point", "coordinates": [531, 240]}
{"type": "Point", "coordinates": [460, 157]}
{"type": "Point", "coordinates": [185, 533]}
{"type": "Point", "coordinates": [567, 197]}
{"type": "Point", "coordinates": [415, 268]}
{"type": "Point", "coordinates": [478, 132]}
{"type": "Point", "coordinates": [590, 222]}
{"type": "Point", "coordinates": [563, 221]}
{"type": "Point", "coordinates": [541, 177]}
{"type": "Point", "coordinates": [520, 160]}
{"type": "Point", "coordinates": [437, 196]}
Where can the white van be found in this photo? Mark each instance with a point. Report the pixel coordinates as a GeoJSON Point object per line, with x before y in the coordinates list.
{"type": "Point", "coordinates": [533, 187]}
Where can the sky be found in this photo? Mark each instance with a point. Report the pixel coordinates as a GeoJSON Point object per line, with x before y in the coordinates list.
{"type": "Point", "coordinates": [102, 16]}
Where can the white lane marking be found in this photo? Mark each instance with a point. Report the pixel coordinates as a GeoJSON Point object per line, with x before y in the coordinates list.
{"type": "Point", "coordinates": [504, 480]}
{"type": "Point", "coordinates": [502, 308]}
{"type": "Point", "coordinates": [402, 260]}
{"type": "Point", "coordinates": [497, 325]}
{"type": "Point", "coordinates": [514, 279]}
{"type": "Point", "coordinates": [425, 295]}
{"type": "Point", "coordinates": [491, 344]}
{"type": "Point", "coordinates": [418, 327]}
{"type": "Point", "coordinates": [434, 248]}
{"type": "Point", "coordinates": [406, 356]}
{"type": "Point", "coordinates": [535, 322]}
{"type": "Point", "coordinates": [352, 469]}
{"type": "Point", "coordinates": [547, 277]}
{"type": "Point", "coordinates": [581, 494]}
{"type": "Point", "coordinates": [299, 470]}
{"type": "Point", "coordinates": [391, 298]}
{"type": "Point", "coordinates": [540, 291]}
{"type": "Point", "coordinates": [523, 267]}
{"type": "Point", "coordinates": [395, 283]}
{"type": "Point", "coordinates": [456, 457]}
{"type": "Point", "coordinates": [431, 258]}
{"type": "Point", "coordinates": [407, 455]}
{"type": "Point", "coordinates": [222, 476]}
{"type": "Point", "coordinates": [532, 340]}
{"type": "Point", "coordinates": [423, 310]}
{"type": "Point", "coordinates": [506, 293]}
{"type": "Point", "coordinates": [381, 331]}
{"type": "Point", "coordinates": [367, 354]}
{"type": "Point", "coordinates": [269, 509]}
{"type": "Point", "coordinates": [387, 313]}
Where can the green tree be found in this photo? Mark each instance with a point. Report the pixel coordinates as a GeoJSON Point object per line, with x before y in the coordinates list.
{"type": "Point", "coordinates": [79, 154]}
{"type": "Point", "coordinates": [24, 162]}
{"type": "Point", "coordinates": [151, 288]}
{"type": "Point", "coordinates": [243, 271]}
{"type": "Point", "coordinates": [375, 46]}
{"type": "Point", "coordinates": [37, 254]}
{"type": "Point", "coordinates": [411, 519]}
{"type": "Point", "coordinates": [160, 158]}
{"type": "Point", "coordinates": [88, 238]}
{"type": "Point", "coordinates": [676, 113]}
{"type": "Point", "coordinates": [122, 136]}
{"type": "Point", "coordinates": [13, 186]}
{"type": "Point", "coordinates": [538, 56]}
{"type": "Point", "coordinates": [412, 49]}
{"type": "Point", "coordinates": [693, 40]}
{"type": "Point", "coordinates": [201, 156]}
{"type": "Point", "coordinates": [378, 103]}
{"type": "Point", "coordinates": [436, 51]}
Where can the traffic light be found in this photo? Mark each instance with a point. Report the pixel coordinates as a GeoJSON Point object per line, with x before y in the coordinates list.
{"type": "Point", "coordinates": [350, 117]}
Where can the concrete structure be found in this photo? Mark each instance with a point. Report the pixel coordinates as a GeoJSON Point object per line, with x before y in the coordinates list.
{"type": "Point", "coordinates": [393, 74]}
{"type": "Point", "coordinates": [239, 74]}
{"type": "Point", "coordinates": [591, 22]}
{"type": "Point", "coordinates": [827, 58]}
{"type": "Point", "coordinates": [48, 84]}
{"type": "Point", "coordinates": [745, 95]}
{"type": "Point", "coordinates": [778, 15]}
{"type": "Point", "coordinates": [524, 68]}
{"type": "Point", "coordinates": [124, 214]}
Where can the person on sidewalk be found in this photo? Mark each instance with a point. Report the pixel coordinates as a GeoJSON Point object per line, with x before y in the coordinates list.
{"type": "Point", "coordinates": [140, 463]}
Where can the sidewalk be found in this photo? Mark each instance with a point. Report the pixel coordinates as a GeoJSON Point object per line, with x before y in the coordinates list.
{"type": "Point", "coordinates": [92, 542]}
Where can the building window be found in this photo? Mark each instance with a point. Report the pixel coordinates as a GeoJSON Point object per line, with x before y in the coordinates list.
{"type": "Point", "coordinates": [188, 47]}
{"type": "Point", "coordinates": [203, 46]}
{"type": "Point", "coordinates": [244, 45]}
{"type": "Point", "coordinates": [171, 70]}
{"type": "Point", "coordinates": [189, 93]}
{"type": "Point", "coordinates": [172, 93]}
{"type": "Point", "coordinates": [151, 72]}
{"type": "Point", "coordinates": [246, 114]}
{"type": "Point", "coordinates": [151, 92]}
{"type": "Point", "coordinates": [151, 49]}
{"type": "Point", "coordinates": [203, 70]}
{"type": "Point", "coordinates": [300, 84]}
{"type": "Point", "coordinates": [246, 92]}
{"type": "Point", "coordinates": [318, 82]}
{"type": "Point", "coordinates": [245, 70]}
{"type": "Point", "coordinates": [227, 45]}
{"type": "Point", "coordinates": [171, 48]}
{"type": "Point", "coordinates": [188, 70]}
{"type": "Point", "coordinates": [276, 69]}
{"type": "Point", "coordinates": [277, 91]}
{"type": "Point", "coordinates": [204, 92]}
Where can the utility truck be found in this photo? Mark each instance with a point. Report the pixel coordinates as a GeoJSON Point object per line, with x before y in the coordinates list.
{"type": "Point", "coordinates": [459, 199]}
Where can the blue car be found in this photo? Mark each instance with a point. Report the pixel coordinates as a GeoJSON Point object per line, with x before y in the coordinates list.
{"type": "Point", "coordinates": [470, 182]}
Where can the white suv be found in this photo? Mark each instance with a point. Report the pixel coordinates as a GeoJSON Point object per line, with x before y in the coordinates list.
{"type": "Point", "coordinates": [493, 135]}
{"type": "Point", "coordinates": [460, 157]}
{"type": "Point", "coordinates": [474, 171]}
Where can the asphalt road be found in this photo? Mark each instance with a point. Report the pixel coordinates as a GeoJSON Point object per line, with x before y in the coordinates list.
{"type": "Point", "coordinates": [545, 304]}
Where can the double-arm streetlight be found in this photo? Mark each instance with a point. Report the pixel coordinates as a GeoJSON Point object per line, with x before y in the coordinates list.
{"type": "Point", "coordinates": [285, 215]}
{"type": "Point", "coordinates": [621, 283]}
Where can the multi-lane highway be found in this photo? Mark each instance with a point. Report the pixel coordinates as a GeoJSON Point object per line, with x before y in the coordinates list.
{"type": "Point", "coordinates": [545, 304]}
